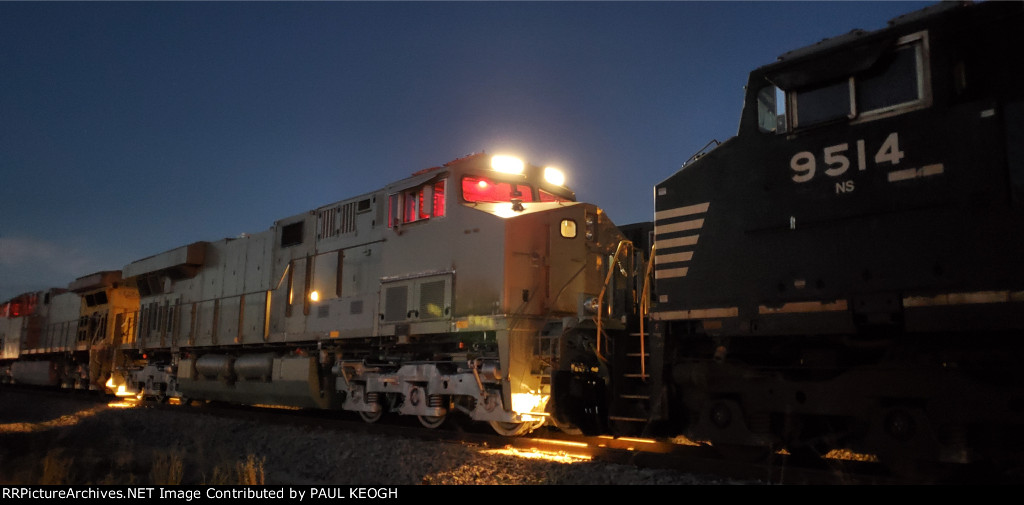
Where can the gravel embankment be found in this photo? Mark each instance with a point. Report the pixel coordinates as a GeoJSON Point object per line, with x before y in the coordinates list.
{"type": "Point", "coordinates": [69, 441]}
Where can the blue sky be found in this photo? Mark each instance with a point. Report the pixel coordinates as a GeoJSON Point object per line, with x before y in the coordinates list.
{"type": "Point", "coordinates": [127, 129]}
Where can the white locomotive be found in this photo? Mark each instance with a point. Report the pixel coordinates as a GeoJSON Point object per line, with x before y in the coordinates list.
{"type": "Point", "coordinates": [466, 286]}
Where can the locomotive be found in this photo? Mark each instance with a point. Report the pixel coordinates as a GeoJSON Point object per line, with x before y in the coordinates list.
{"type": "Point", "coordinates": [844, 273]}
{"type": "Point", "coordinates": [468, 287]}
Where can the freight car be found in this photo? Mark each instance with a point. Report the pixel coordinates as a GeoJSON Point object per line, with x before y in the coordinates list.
{"type": "Point", "coordinates": [470, 287]}
{"type": "Point", "coordinates": [846, 271]}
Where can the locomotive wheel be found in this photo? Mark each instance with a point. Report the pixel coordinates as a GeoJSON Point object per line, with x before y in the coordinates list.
{"type": "Point", "coordinates": [154, 392]}
{"type": "Point", "coordinates": [512, 429]}
{"type": "Point", "coordinates": [432, 421]}
{"type": "Point", "coordinates": [567, 428]}
{"type": "Point", "coordinates": [371, 417]}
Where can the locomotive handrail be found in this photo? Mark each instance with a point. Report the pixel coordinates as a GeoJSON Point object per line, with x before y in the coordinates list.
{"type": "Point", "coordinates": [702, 151]}
{"type": "Point", "coordinates": [645, 300]}
{"type": "Point", "coordinates": [623, 244]}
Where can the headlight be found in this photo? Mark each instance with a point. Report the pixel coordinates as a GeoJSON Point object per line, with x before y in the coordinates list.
{"type": "Point", "coordinates": [554, 176]}
{"type": "Point", "coordinates": [507, 164]}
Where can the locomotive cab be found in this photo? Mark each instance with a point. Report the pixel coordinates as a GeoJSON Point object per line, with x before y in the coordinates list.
{"type": "Point", "coordinates": [494, 260]}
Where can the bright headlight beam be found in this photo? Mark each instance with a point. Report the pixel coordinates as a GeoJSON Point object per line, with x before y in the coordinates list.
{"type": "Point", "coordinates": [554, 176]}
{"type": "Point", "coordinates": [507, 164]}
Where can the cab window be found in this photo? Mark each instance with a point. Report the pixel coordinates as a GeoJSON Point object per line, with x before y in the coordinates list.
{"type": "Point", "coordinates": [771, 109]}
{"type": "Point", "coordinates": [420, 203]}
{"type": "Point", "coordinates": [894, 83]}
{"type": "Point", "coordinates": [823, 104]}
{"type": "Point", "coordinates": [482, 189]}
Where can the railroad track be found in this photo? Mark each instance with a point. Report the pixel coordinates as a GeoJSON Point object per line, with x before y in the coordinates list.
{"type": "Point", "coordinates": [553, 444]}
{"type": "Point", "coordinates": [546, 443]}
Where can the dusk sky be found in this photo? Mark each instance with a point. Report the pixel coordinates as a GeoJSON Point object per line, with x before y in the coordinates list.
{"type": "Point", "coordinates": [128, 129]}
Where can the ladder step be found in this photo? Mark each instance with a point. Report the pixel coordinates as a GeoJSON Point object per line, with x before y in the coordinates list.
{"type": "Point", "coordinates": [637, 354]}
{"type": "Point", "coordinates": [635, 397]}
{"type": "Point", "coordinates": [636, 375]}
{"type": "Point", "coordinates": [630, 419]}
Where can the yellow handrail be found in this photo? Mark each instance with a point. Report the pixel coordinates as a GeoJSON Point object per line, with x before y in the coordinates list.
{"type": "Point", "coordinates": [623, 244]}
{"type": "Point", "coordinates": [645, 300]}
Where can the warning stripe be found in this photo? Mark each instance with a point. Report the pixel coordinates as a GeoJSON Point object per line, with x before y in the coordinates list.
{"type": "Point", "coordinates": [914, 173]}
{"type": "Point", "coordinates": [699, 208]}
{"type": "Point", "coordinates": [668, 257]}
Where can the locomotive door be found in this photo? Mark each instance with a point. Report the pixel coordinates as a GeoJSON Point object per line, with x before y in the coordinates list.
{"type": "Point", "coordinates": [420, 304]}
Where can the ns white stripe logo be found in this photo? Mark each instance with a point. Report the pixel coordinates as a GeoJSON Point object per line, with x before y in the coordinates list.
{"type": "Point", "coordinates": [676, 232]}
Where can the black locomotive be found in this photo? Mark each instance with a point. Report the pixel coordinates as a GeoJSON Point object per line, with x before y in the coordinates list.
{"type": "Point", "coordinates": [846, 272]}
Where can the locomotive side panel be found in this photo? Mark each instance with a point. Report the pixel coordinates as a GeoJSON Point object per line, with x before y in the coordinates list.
{"type": "Point", "coordinates": [480, 242]}
{"type": "Point", "coordinates": [165, 300]}
{"type": "Point", "coordinates": [295, 245]}
{"type": "Point", "coordinates": [527, 265]}
{"type": "Point", "coordinates": [354, 312]}
{"type": "Point", "coordinates": [257, 284]}
{"type": "Point", "coordinates": [206, 284]}
{"type": "Point", "coordinates": [221, 302]}
{"type": "Point", "coordinates": [231, 268]}
{"type": "Point", "coordinates": [13, 322]}
{"type": "Point", "coordinates": [61, 332]}
{"type": "Point", "coordinates": [420, 259]}
{"type": "Point", "coordinates": [847, 213]}
{"type": "Point", "coordinates": [107, 307]}
{"type": "Point", "coordinates": [10, 337]}
{"type": "Point", "coordinates": [347, 234]}
{"type": "Point", "coordinates": [48, 338]}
